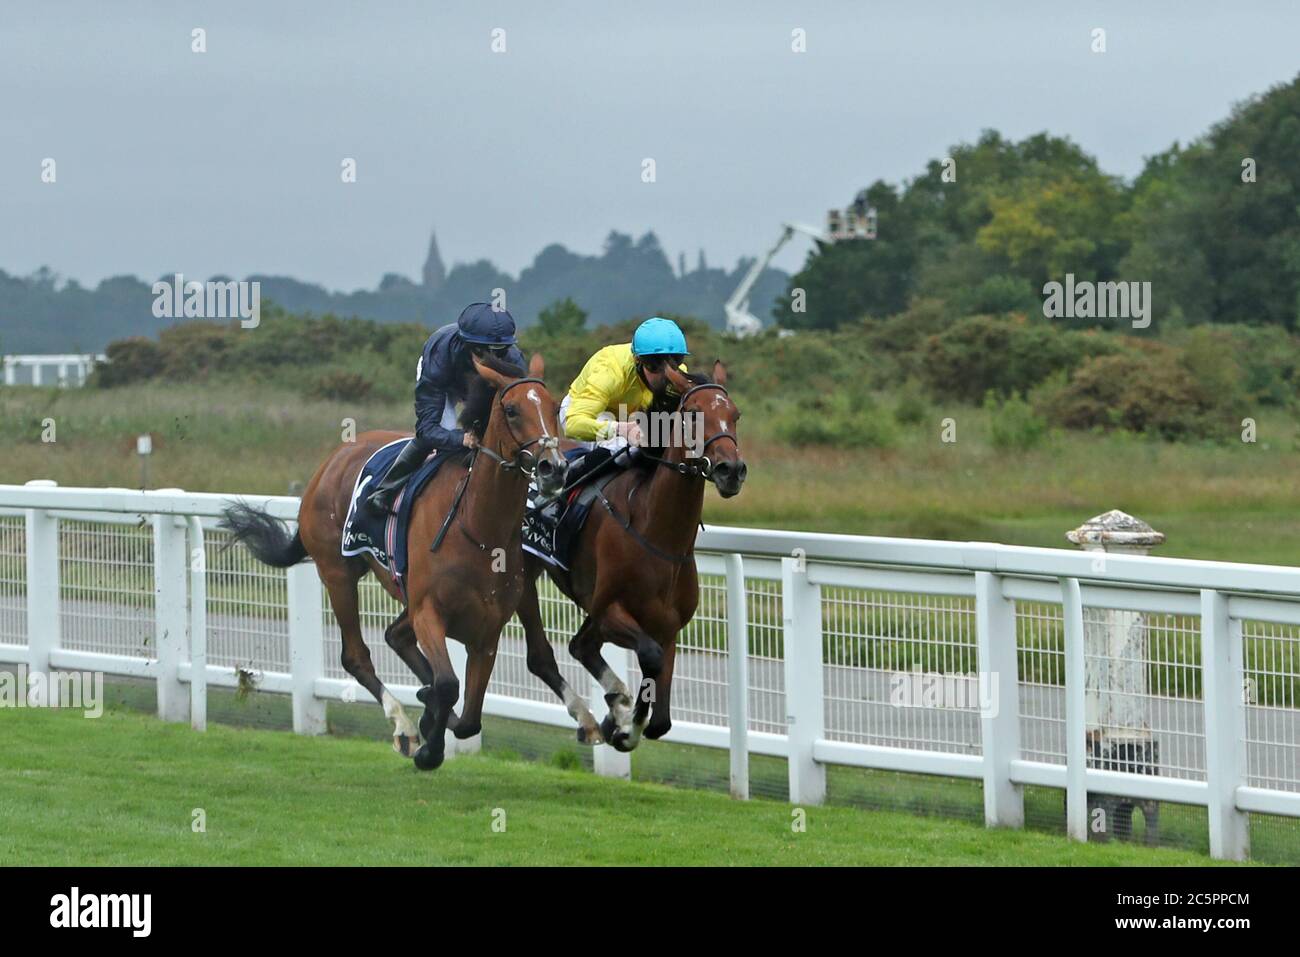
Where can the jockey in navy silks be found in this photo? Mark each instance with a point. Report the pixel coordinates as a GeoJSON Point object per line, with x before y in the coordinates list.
{"type": "Point", "coordinates": [441, 378]}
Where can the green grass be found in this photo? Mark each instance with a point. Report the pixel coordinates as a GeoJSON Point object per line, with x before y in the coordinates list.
{"type": "Point", "coordinates": [122, 790]}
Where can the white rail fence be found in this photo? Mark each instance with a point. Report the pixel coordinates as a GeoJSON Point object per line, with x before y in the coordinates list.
{"type": "Point", "coordinates": [1124, 680]}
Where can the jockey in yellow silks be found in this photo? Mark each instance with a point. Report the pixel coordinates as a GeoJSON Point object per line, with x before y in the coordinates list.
{"type": "Point", "coordinates": [618, 381]}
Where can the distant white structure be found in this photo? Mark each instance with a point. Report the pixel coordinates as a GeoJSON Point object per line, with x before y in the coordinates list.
{"type": "Point", "coordinates": [69, 370]}
{"type": "Point", "coordinates": [856, 222]}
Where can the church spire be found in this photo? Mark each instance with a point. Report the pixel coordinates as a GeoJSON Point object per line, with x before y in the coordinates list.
{"type": "Point", "coordinates": [434, 272]}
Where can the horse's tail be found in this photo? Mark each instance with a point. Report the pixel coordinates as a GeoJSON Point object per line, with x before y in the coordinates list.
{"type": "Point", "coordinates": [264, 535]}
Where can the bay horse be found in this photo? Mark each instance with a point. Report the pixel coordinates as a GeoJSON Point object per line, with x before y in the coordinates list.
{"type": "Point", "coordinates": [633, 568]}
{"type": "Point", "coordinates": [469, 587]}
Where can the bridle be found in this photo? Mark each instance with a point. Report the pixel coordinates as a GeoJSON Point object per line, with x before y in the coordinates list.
{"type": "Point", "coordinates": [523, 460]}
{"type": "Point", "coordinates": [704, 470]}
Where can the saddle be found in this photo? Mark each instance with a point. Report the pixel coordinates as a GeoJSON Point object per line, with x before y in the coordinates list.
{"type": "Point", "coordinates": [385, 537]}
{"type": "Point", "coordinates": [551, 528]}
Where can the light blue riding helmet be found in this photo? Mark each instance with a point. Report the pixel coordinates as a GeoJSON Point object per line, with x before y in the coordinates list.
{"type": "Point", "coordinates": [659, 337]}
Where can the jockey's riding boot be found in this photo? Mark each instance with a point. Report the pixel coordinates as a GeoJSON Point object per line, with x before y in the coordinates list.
{"type": "Point", "coordinates": [408, 460]}
{"type": "Point", "coordinates": [587, 466]}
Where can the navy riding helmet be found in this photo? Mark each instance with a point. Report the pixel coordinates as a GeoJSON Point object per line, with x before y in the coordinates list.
{"type": "Point", "coordinates": [482, 325]}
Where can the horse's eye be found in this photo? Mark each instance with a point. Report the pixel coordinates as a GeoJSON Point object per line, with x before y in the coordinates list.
{"type": "Point", "coordinates": [512, 410]}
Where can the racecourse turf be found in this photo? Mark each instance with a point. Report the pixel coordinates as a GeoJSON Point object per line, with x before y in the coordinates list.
{"type": "Point", "coordinates": [125, 788]}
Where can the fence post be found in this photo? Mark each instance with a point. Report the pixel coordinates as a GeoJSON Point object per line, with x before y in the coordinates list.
{"type": "Point", "coordinates": [1076, 750]}
{"type": "Point", "coordinates": [306, 647]}
{"type": "Point", "coordinates": [738, 676]}
{"type": "Point", "coordinates": [198, 566]}
{"type": "Point", "coordinates": [802, 641]}
{"type": "Point", "coordinates": [43, 626]}
{"type": "Point", "coordinates": [995, 636]}
{"type": "Point", "coordinates": [607, 762]}
{"type": "Point", "coordinates": [171, 615]}
{"type": "Point", "coordinates": [1222, 691]}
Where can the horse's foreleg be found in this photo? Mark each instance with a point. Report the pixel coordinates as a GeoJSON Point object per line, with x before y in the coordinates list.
{"type": "Point", "coordinates": [650, 656]}
{"type": "Point", "coordinates": [400, 636]}
{"type": "Point", "coordinates": [660, 720]}
{"type": "Point", "coordinates": [439, 696]}
{"type": "Point", "coordinates": [541, 662]}
{"type": "Point", "coordinates": [342, 588]}
{"type": "Point", "coordinates": [478, 669]}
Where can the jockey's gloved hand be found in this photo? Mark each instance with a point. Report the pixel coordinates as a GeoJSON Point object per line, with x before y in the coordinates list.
{"type": "Point", "coordinates": [631, 431]}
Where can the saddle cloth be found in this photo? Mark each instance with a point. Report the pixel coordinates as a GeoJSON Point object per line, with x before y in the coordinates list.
{"type": "Point", "coordinates": [386, 538]}
{"type": "Point", "coordinates": [551, 528]}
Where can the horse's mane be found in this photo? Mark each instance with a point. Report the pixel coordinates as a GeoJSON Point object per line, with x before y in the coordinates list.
{"type": "Point", "coordinates": [478, 399]}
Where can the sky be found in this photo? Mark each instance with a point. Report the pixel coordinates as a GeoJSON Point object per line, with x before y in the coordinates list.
{"type": "Point", "coordinates": [229, 161]}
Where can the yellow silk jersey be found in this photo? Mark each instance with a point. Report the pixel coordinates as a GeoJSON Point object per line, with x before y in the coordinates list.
{"type": "Point", "coordinates": [607, 381]}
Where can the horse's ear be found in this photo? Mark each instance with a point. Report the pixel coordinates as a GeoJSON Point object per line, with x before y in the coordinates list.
{"type": "Point", "coordinates": [537, 366]}
{"type": "Point", "coordinates": [678, 381]}
{"type": "Point", "coordinates": [490, 375]}
{"type": "Point", "coordinates": [719, 372]}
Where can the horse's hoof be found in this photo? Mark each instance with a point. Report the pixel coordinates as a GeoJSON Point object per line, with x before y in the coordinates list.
{"type": "Point", "coordinates": [426, 759]}
{"type": "Point", "coordinates": [405, 745]}
{"type": "Point", "coordinates": [608, 728]}
{"type": "Point", "coordinates": [590, 735]}
{"type": "Point", "coordinates": [656, 731]}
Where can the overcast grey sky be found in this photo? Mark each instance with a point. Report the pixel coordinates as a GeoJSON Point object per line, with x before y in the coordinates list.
{"type": "Point", "coordinates": [229, 161]}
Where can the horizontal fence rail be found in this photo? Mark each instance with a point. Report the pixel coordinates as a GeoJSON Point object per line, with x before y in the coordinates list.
{"type": "Point", "coordinates": [1123, 680]}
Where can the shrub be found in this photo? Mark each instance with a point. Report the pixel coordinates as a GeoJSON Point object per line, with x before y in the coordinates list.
{"type": "Point", "coordinates": [911, 407]}
{"type": "Point", "coordinates": [1150, 391]}
{"type": "Point", "coordinates": [129, 360]}
{"type": "Point", "coordinates": [1006, 355]}
{"type": "Point", "coordinates": [1013, 423]}
{"type": "Point", "coordinates": [341, 386]}
{"type": "Point", "coordinates": [835, 419]}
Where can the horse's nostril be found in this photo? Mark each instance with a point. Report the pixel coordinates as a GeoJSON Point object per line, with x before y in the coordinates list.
{"type": "Point", "coordinates": [742, 472]}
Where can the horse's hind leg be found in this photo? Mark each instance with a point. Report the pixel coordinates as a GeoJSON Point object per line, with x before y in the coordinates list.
{"type": "Point", "coordinates": [440, 695]}
{"type": "Point", "coordinates": [541, 662]}
{"type": "Point", "coordinates": [585, 646]}
{"type": "Point", "coordinates": [341, 584]}
{"type": "Point", "coordinates": [617, 624]}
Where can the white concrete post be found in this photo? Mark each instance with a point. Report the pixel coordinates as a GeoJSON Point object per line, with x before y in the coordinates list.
{"type": "Point", "coordinates": [1117, 703]}
{"type": "Point", "coordinates": [1076, 738]}
{"type": "Point", "coordinates": [36, 373]}
{"type": "Point", "coordinates": [10, 369]}
{"type": "Point", "coordinates": [995, 637]}
{"type": "Point", "coordinates": [306, 647]}
{"type": "Point", "coordinates": [804, 703]}
{"type": "Point", "coordinates": [738, 676]}
{"type": "Point", "coordinates": [43, 626]}
{"type": "Point", "coordinates": [607, 762]}
{"type": "Point", "coordinates": [1223, 684]}
{"type": "Point", "coordinates": [171, 565]}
